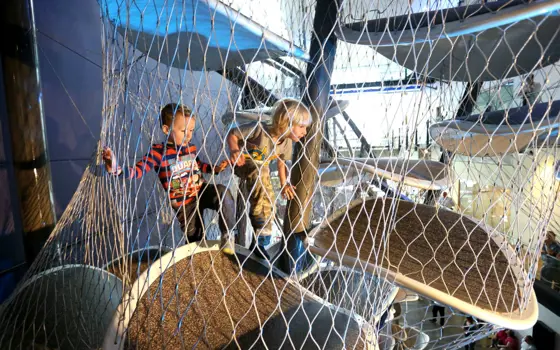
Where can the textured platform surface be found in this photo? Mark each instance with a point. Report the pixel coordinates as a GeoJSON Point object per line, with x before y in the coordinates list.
{"type": "Point", "coordinates": [187, 309]}
{"type": "Point", "coordinates": [438, 248]}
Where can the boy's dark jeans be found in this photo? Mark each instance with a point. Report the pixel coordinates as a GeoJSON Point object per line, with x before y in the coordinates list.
{"type": "Point", "coordinates": [211, 196]}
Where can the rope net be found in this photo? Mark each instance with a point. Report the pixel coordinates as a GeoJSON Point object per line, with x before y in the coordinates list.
{"type": "Point", "coordinates": [429, 170]}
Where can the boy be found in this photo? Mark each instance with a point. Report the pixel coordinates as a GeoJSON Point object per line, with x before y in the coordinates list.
{"type": "Point", "coordinates": [179, 171]}
{"type": "Point", "coordinates": [261, 144]}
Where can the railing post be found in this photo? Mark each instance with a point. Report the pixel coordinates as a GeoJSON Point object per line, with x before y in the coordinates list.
{"type": "Point", "coordinates": [406, 137]}
{"type": "Point", "coordinates": [427, 133]}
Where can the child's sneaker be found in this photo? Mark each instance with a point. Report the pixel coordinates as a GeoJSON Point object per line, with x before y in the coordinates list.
{"type": "Point", "coordinates": [227, 245]}
{"type": "Point", "coordinates": [260, 250]}
{"type": "Point", "coordinates": [263, 241]}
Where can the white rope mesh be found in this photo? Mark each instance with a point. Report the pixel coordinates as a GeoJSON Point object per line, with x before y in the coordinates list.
{"type": "Point", "coordinates": [418, 106]}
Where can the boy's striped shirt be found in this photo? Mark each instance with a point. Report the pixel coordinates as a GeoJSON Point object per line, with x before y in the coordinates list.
{"type": "Point", "coordinates": [178, 168]}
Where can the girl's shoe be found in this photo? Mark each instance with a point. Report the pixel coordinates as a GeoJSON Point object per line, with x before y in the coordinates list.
{"type": "Point", "coordinates": [227, 245]}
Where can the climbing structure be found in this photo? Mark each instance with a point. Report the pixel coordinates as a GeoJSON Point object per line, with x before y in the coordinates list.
{"type": "Point", "coordinates": [396, 119]}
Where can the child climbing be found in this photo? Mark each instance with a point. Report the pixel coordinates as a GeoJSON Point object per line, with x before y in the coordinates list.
{"type": "Point", "coordinates": [179, 171]}
{"type": "Point", "coordinates": [252, 147]}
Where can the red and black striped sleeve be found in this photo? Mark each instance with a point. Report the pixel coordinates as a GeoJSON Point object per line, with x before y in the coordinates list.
{"type": "Point", "coordinates": [205, 167]}
{"type": "Point", "coordinates": [147, 163]}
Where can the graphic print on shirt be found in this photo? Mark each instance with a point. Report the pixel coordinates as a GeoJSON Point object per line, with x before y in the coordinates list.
{"type": "Point", "coordinates": [259, 157]}
{"type": "Point", "coordinates": [185, 178]}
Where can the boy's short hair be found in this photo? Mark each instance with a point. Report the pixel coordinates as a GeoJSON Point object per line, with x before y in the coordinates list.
{"type": "Point", "coordinates": [170, 110]}
{"type": "Point", "coordinates": [289, 112]}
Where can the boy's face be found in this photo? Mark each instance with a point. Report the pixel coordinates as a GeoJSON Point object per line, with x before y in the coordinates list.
{"type": "Point", "coordinates": [182, 131]}
{"type": "Point", "coordinates": [297, 132]}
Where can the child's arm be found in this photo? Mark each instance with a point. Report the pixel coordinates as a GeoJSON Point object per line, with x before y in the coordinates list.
{"type": "Point", "coordinates": [236, 157]}
{"type": "Point", "coordinates": [109, 159]}
{"type": "Point", "coordinates": [150, 160]}
{"type": "Point", "coordinates": [209, 169]}
{"type": "Point", "coordinates": [288, 191]}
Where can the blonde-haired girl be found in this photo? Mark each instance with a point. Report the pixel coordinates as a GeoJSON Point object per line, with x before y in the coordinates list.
{"type": "Point", "coordinates": [252, 147]}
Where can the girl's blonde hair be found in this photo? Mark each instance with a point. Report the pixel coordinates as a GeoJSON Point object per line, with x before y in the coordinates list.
{"type": "Point", "coordinates": [288, 112]}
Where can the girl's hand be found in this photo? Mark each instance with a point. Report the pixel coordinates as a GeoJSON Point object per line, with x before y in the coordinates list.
{"type": "Point", "coordinates": [288, 192]}
{"type": "Point", "coordinates": [237, 158]}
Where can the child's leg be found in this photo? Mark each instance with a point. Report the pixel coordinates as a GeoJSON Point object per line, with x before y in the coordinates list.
{"type": "Point", "coordinates": [191, 223]}
{"type": "Point", "coordinates": [261, 213]}
{"type": "Point", "coordinates": [217, 197]}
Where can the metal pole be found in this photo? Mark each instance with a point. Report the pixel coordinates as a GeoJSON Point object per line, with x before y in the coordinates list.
{"type": "Point", "coordinates": [366, 149]}
{"type": "Point", "coordinates": [22, 90]}
{"type": "Point", "coordinates": [406, 138]}
{"type": "Point", "coordinates": [427, 133]}
{"type": "Point", "coordinates": [472, 90]}
{"type": "Point", "coordinates": [469, 99]}
{"type": "Point", "coordinates": [304, 173]}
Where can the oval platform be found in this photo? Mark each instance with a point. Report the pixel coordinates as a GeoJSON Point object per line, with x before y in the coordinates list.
{"type": "Point", "coordinates": [436, 43]}
{"type": "Point", "coordinates": [440, 254]}
{"type": "Point", "coordinates": [67, 307]}
{"type": "Point", "coordinates": [418, 173]}
{"type": "Point", "coordinates": [203, 49]}
{"type": "Point", "coordinates": [496, 133]}
{"type": "Point", "coordinates": [258, 306]}
{"type": "Point", "coordinates": [332, 174]}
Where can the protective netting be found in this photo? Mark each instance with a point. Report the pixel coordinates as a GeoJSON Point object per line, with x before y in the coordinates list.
{"type": "Point", "coordinates": [428, 169]}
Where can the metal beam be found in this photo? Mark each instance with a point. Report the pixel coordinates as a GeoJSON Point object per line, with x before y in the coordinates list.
{"type": "Point", "coordinates": [23, 99]}
{"type": "Point", "coordinates": [468, 101]}
{"type": "Point", "coordinates": [365, 149]}
{"type": "Point", "coordinates": [409, 80]}
{"type": "Point", "coordinates": [289, 66]}
{"type": "Point", "coordinates": [304, 171]}
{"type": "Point", "coordinates": [252, 92]}
{"type": "Point", "coordinates": [282, 67]}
